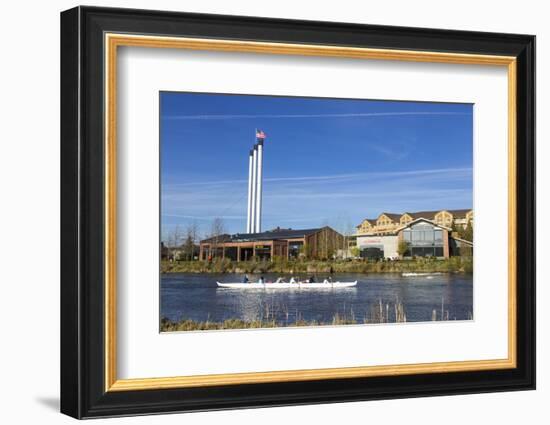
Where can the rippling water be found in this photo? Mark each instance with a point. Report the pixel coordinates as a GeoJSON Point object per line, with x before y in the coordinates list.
{"type": "Point", "coordinates": [197, 297]}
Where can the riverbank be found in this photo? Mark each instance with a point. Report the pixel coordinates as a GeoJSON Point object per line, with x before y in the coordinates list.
{"type": "Point", "coordinates": [191, 325]}
{"type": "Point", "coordinates": [378, 313]}
{"type": "Point", "coordinates": [420, 265]}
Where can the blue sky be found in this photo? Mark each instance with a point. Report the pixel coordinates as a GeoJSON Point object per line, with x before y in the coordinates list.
{"type": "Point", "coordinates": [326, 161]}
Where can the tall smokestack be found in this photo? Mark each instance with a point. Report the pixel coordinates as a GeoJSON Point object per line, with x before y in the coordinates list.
{"type": "Point", "coordinates": [258, 210]}
{"type": "Point", "coordinates": [249, 209]}
{"type": "Point", "coordinates": [254, 188]}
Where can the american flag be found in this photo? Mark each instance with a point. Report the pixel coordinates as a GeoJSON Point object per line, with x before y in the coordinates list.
{"type": "Point", "coordinates": [260, 134]}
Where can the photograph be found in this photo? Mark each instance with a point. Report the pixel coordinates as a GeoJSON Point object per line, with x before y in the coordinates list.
{"type": "Point", "coordinates": [286, 211]}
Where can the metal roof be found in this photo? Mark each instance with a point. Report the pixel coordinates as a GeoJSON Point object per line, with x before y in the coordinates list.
{"type": "Point", "coordinates": [269, 235]}
{"type": "Point", "coordinates": [391, 216]}
{"type": "Point", "coordinates": [275, 234]}
{"type": "Point", "coordinates": [418, 214]}
{"type": "Point", "coordinates": [431, 214]}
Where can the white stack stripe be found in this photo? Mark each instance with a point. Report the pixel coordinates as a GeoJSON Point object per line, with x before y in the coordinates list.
{"type": "Point", "coordinates": [255, 171]}
{"type": "Point", "coordinates": [258, 210]}
{"type": "Point", "coordinates": [254, 189]}
{"type": "Point", "coordinates": [249, 208]}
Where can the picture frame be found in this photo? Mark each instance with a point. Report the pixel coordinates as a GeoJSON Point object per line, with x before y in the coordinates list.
{"type": "Point", "coordinates": [90, 40]}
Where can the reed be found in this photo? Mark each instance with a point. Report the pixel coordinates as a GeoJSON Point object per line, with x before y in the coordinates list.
{"type": "Point", "coordinates": [274, 315]}
{"type": "Point", "coordinates": [279, 265]}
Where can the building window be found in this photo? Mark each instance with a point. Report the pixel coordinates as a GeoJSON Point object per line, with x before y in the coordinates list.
{"type": "Point", "coordinates": [425, 240]}
{"type": "Point", "coordinates": [372, 252]}
{"type": "Point", "coordinates": [294, 249]}
{"type": "Point", "coordinates": [231, 253]}
{"type": "Point", "coordinates": [424, 251]}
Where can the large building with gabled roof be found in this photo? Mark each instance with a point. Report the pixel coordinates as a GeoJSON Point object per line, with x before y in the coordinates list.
{"type": "Point", "coordinates": [426, 234]}
{"type": "Point", "coordinates": [387, 223]}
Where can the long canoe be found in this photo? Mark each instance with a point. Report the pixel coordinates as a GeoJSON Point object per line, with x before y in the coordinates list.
{"type": "Point", "coordinates": [287, 285]}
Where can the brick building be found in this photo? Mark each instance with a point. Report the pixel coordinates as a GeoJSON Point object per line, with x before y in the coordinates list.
{"type": "Point", "coordinates": [323, 242]}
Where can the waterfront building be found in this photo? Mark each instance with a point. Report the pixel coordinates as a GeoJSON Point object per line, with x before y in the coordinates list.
{"type": "Point", "coordinates": [425, 238]}
{"type": "Point", "coordinates": [388, 223]}
{"type": "Point", "coordinates": [318, 243]}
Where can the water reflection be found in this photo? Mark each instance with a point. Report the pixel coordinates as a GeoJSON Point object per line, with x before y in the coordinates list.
{"type": "Point", "coordinates": [197, 297]}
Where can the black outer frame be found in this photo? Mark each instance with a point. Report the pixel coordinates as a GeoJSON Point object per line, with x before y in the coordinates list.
{"type": "Point", "coordinates": [82, 218]}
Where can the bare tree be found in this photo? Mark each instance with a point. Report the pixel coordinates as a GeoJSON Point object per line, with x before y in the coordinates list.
{"type": "Point", "coordinates": [174, 242]}
{"type": "Point", "coordinates": [344, 226]}
{"type": "Point", "coordinates": [193, 231]}
{"type": "Point", "coordinates": [348, 231]}
{"type": "Point", "coordinates": [218, 227]}
{"type": "Point", "coordinates": [216, 231]}
{"type": "Point", "coordinates": [191, 239]}
{"type": "Point", "coordinates": [174, 239]}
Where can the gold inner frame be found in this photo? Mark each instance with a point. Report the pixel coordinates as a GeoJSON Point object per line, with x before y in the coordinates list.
{"type": "Point", "coordinates": [113, 41]}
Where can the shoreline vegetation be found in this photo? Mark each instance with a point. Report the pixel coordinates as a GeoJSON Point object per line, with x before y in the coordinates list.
{"type": "Point", "coordinates": [270, 317]}
{"type": "Point", "coordinates": [425, 265]}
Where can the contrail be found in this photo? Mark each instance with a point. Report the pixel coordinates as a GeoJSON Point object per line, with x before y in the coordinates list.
{"type": "Point", "coordinates": [350, 115]}
{"type": "Point", "coordinates": [334, 176]}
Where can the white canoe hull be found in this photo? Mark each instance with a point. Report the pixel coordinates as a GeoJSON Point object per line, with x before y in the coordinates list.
{"type": "Point", "coordinates": [286, 285]}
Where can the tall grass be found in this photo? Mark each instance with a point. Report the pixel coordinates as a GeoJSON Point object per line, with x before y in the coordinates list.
{"type": "Point", "coordinates": [281, 265]}
{"type": "Point", "coordinates": [272, 315]}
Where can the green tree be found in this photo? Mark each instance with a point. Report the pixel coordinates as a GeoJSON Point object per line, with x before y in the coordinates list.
{"type": "Point", "coordinates": [457, 230]}
{"type": "Point", "coordinates": [468, 233]}
{"type": "Point", "coordinates": [402, 248]}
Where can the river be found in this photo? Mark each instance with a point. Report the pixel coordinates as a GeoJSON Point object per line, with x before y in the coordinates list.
{"type": "Point", "coordinates": [197, 297]}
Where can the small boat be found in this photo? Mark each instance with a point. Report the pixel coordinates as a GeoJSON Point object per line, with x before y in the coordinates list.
{"type": "Point", "coordinates": [287, 285]}
{"type": "Point", "coordinates": [421, 274]}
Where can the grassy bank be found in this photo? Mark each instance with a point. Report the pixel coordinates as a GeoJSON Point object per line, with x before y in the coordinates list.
{"type": "Point", "coordinates": [378, 313]}
{"type": "Point", "coordinates": [191, 325]}
{"type": "Point", "coordinates": [453, 264]}
{"type": "Point", "coordinates": [270, 317]}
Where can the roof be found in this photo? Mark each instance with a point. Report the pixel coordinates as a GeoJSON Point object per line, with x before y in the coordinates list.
{"type": "Point", "coordinates": [410, 223]}
{"type": "Point", "coordinates": [269, 235]}
{"type": "Point", "coordinates": [369, 220]}
{"type": "Point", "coordinates": [275, 234]}
{"type": "Point", "coordinates": [392, 216]}
{"type": "Point", "coordinates": [459, 213]}
{"type": "Point", "coordinates": [218, 239]}
{"type": "Point", "coordinates": [431, 214]}
{"type": "Point", "coordinates": [422, 214]}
